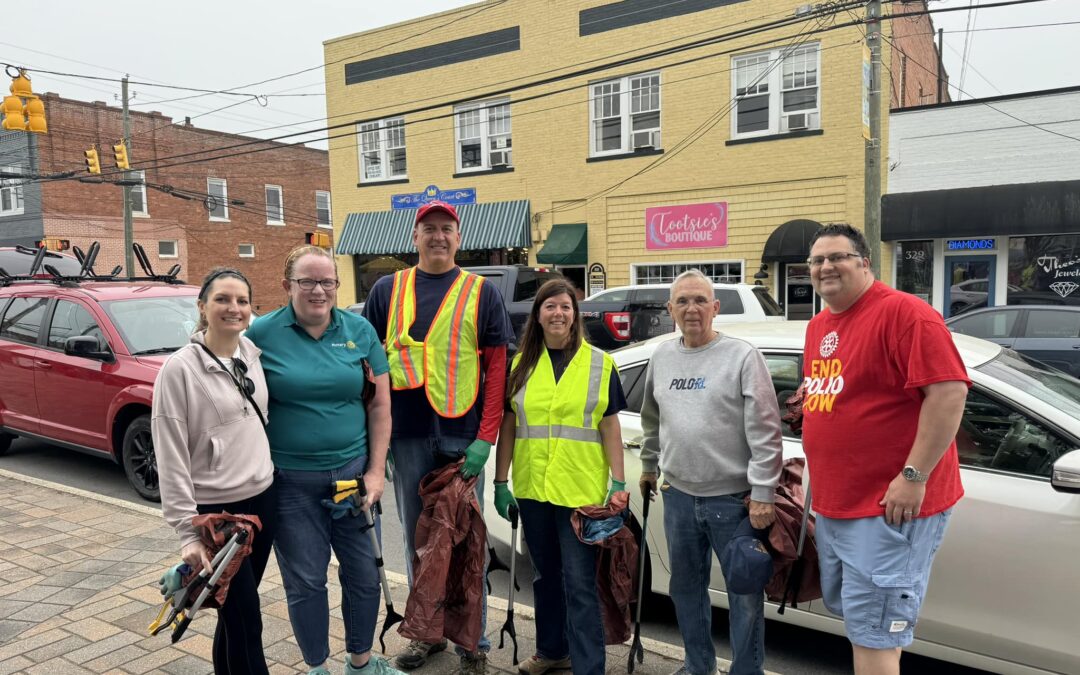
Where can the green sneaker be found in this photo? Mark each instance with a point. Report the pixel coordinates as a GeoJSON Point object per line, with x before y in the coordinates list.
{"type": "Point", "coordinates": [377, 665]}
{"type": "Point", "coordinates": [318, 671]}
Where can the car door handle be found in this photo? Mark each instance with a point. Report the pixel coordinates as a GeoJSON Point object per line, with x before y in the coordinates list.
{"type": "Point", "coordinates": [44, 365]}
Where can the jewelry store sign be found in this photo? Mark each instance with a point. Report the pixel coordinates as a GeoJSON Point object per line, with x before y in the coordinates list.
{"type": "Point", "coordinates": [686, 226]}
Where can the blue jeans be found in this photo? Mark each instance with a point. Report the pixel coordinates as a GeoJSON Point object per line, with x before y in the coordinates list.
{"type": "Point", "coordinates": [415, 458]}
{"type": "Point", "coordinates": [693, 526]}
{"type": "Point", "coordinates": [305, 535]}
{"type": "Point", "coordinates": [568, 619]}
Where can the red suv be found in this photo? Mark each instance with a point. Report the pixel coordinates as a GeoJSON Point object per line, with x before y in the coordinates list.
{"type": "Point", "coordinates": [78, 358]}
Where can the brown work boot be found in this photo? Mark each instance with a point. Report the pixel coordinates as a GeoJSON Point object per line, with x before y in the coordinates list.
{"type": "Point", "coordinates": [417, 653]}
{"type": "Point", "coordinates": [538, 665]}
{"type": "Point", "coordinates": [472, 664]}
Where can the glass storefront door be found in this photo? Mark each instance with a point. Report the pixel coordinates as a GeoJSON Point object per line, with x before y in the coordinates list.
{"type": "Point", "coordinates": [801, 303]}
{"type": "Point", "coordinates": [969, 283]}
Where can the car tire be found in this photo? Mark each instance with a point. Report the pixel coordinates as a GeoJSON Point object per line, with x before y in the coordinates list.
{"type": "Point", "coordinates": [139, 460]}
{"type": "Point", "coordinates": [5, 442]}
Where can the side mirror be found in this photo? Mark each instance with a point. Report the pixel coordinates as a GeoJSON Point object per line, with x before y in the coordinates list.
{"type": "Point", "coordinates": [86, 346]}
{"type": "Point", "coordinates": [1065, 476]}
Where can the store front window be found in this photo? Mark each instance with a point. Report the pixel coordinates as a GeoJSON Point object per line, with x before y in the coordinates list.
{"type": "Point", "coordinates": [915, 268]}
{"type": "Point", "coordinates": [1044, 270]}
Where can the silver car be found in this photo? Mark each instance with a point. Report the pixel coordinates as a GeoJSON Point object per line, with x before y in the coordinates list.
{"type": "Point", "coordinates": [1006, 582]}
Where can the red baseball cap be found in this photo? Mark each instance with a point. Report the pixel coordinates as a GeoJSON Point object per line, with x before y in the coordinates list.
{"type": "Point", "coordinates": [436, 206]}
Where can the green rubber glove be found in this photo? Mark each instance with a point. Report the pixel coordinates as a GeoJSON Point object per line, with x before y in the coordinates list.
{"type": "Point", "coordinates": [616, 486]}
{"type": "Point", "coordinates": [503, 499]}
{"type": "Point", "coordinates": [475, 457]}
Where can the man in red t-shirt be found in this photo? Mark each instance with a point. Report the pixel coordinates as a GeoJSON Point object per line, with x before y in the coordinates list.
{"type": "Point", "coordinates": [884, 392]}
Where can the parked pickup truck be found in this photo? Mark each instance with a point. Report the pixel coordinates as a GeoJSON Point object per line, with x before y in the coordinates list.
{"type": "Point", "coordinates": [518, 285]}
{"type": "Point", "coordinates": [619, 316]}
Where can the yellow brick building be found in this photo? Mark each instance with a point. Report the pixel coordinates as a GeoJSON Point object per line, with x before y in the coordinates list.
{"type": "Point", "coordinates": [567, 119]}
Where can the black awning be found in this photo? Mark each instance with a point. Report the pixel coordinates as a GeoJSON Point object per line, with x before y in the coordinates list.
{"type": "Point", "coordinates": [1027, 208]}
{"type": "Point", "coordinates": [790, 243]}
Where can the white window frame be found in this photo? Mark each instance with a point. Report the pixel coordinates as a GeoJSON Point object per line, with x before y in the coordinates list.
{"type": "Point", "coordinates": [375, 137]}
{"type": "Point", "coordinates": [270, 219]}
{"type": "Point", "coordinates": [11, 189]}
{"type": "Point", "coordinates": [761, 73]}
{"type": "Point", "coordinates": [637, 277]}
{"type": "Point", "coordinates": [617, 99]}
{"type": "Point", "coordinates": [489, 124]}
{"type": "Point", "coordinates": [175, 248]}
{"type": "Point", "coordinates": [240, 250]}
{"type": "Point", "coordinates": [141, 190]}
{"type": "Point", "coordinates": [224, 184]}
{"type": "Point", "coordinates": [329, 224]}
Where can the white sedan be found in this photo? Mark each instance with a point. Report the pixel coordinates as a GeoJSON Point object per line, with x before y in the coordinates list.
{"type": "Point", "coordinates": [1006, 582]}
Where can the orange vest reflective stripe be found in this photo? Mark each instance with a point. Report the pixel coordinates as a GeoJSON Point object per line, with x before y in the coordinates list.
{"type": "Point", "coordinates": [447, 362]}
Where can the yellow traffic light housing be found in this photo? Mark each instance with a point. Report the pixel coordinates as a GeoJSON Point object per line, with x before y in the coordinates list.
{"type": "Point", "coordinates": [20, 85]}
{"type": "Point", "coordinates": [20, 117]}
{"type": "Point", "coordinates": [14, 114]}
{"type": "Point", "coordinates": [35, 114]}
{"type": "Point", "coordinates": [320, 239]}
{"type": "Point", "coordinates": [93, 164]}
{"type": "Point", "coordinates": [120, 151]}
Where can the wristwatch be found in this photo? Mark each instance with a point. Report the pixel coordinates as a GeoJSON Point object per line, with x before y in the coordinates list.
{"type": "Point", "coordinates": [912, 474]}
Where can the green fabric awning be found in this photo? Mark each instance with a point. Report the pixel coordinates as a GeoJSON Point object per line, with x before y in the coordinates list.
{"type": "Point", "coordinates": [566, 245]}
{"type": "Point", "coordinates": [483, 226]}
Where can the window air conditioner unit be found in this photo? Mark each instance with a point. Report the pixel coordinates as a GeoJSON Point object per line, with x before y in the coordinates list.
{"type": "Point", "coordinates": [500, 158]}
{"type": "Point", "coordinates": [646, 140]}
{"type": "Point", "coordinates": [798, 122]}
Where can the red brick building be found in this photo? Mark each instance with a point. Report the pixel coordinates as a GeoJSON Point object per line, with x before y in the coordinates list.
{"type": "Point", "coordinates": [914, 65]}
{"type": "Point", "coordinates": [247, 211]}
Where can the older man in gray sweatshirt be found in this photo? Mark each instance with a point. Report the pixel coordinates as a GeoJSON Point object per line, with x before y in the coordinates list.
{"type": "Point", "coordinates": [712, 425]}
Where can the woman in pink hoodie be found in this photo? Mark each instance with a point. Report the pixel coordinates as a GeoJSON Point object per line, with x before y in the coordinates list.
{"type": "Point", "coordinates": [208, 426]}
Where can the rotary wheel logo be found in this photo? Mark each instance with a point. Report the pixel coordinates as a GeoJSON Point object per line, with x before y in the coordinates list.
{"type": "Point", "coordinates": [828, 344]}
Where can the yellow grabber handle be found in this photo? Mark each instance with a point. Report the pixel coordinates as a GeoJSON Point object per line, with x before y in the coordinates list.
{"type": "Point", "coordinates": [343, 489]}
{"type": "Point", "coordinates": [156, 625]}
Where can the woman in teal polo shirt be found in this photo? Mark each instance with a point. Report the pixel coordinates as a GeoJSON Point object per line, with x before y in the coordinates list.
{"type": "Point", "coordinates": [321, 432]}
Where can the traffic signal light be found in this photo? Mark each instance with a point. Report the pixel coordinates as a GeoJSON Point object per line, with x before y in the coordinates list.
{"type": "Point", "coordinates": [53, 244]}
{"type": "Point", "coordinates": [93, 164]}
{"type": "Point", "coordinates": [20, 117]}
{"type": "Point", "coordinates": [14, 115]}
{"type": "Point", "coordinates": [120, 151]}
{"type": "Point", "coordinates": [320, 239]}
{"type": "Point", "coordinates": [35, 113]}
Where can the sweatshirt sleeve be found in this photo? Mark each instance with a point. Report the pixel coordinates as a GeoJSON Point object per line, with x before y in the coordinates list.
{"type": "Point", "coordinates": [650, 425]}
{"type": "Point", "coordinates": [168, 425]}
{"type": "Point", "coordinates": [761, 419]}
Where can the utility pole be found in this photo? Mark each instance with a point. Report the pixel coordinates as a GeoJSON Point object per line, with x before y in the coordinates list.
{"type": "Point", "coordinates": [129, 255]}
{"type": "Point", "coordinates": [872, 188]}
{"type": "Point", "coordinates": [940, 64]}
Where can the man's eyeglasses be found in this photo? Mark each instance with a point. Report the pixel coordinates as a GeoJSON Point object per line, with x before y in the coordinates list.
{"type": "Point", "coordinates": [833, 258]}
{"type": "Point", "coordinates": [243, 380]}
{"type": "Point", "coordinates": [309, 284]}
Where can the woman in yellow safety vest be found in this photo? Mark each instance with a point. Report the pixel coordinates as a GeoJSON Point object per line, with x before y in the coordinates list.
{"type": "Point", "coordinates": [561, 432]}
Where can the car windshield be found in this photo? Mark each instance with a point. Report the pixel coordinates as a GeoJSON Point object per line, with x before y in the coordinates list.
{"type": "Point", "coordinates": [767, 302]}
{"type": "Point", "coordinates": [154, 325]}
{"type": "Point", "coordinates": [1038, 379]}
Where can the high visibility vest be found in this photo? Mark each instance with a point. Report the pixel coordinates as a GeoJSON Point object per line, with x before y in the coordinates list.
{"type": "Point", "coordinates": [558, 456]}
{"type": "Point", "coordinates": [447, 362]}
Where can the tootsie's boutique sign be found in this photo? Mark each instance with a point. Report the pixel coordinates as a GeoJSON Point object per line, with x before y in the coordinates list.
{"type": "Point", "coordinates": [686, 226]}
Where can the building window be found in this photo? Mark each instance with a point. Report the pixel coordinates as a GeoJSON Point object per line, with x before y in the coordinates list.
{"type": "Point", "coordinates": [139, 206]}
{"type": "Point", "coordinates": [382, 150]}
{"type": "Point", "coordinates": [915, 268]}
{"type": "Point", "coordinates": [755, 77]}
{"type": "Point", "coordinates": [323, 217]}
{"type": "Point", "coordinates": [719, 272]}
{"type": "Point", "coordinates": [218, 200]}
{"type": "Point", "coordinates": [167, 249]}
{"type": "Point", "coordinates": [625, 115]}
{"type": "Point", "coordinates": [483, 136]}
{"type": "Point", "coordinates": [11, 192]}
{"type": "Point", "coordinates": [1044, 270]}
{"type": "Point", "coordinates": [247, 250]}
{"type": "Point", "coordinates": [275, 205]}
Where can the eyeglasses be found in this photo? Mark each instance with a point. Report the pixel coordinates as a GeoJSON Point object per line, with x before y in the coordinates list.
{"type": "Point", "coordinates": [243, 380]}
{"type": "Point", "coordinates": [309, 284]}
{"type": "Point", "coordinates": [833, 258]}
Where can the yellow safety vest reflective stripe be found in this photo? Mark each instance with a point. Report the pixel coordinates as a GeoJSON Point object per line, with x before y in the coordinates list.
{"type": "Point", "coordinates": [558, 454]}
{"type": "Point", "coordinates": [447, 362]}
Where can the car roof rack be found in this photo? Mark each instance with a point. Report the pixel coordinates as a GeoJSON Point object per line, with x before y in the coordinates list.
{"type": "Point", "coordinates": [86, 271]}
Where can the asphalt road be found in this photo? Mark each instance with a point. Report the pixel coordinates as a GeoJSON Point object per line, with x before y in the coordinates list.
{"type": "Point", "coordinates": [789, 650]}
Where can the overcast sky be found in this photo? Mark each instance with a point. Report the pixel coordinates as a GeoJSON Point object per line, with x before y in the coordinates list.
{"type": "Point", "coordinates": [235, 43]}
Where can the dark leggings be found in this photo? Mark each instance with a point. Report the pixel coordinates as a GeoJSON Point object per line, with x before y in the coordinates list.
{"type": "Point", "coordinates": [238, 644]}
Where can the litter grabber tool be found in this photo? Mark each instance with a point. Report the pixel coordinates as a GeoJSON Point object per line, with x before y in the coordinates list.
{"type": "Point", "coordinates": [636, 650]}
{"type": "Point", "coordinates": [795, 578]}
{"type": "Point", "coordinates": [495, 564]}
{"type": "Point", "coordinates": [187, 601]}
{"type": "Point", "coordinates": [357, 491]}
{"type": "Point", "coordinates": [508, 627]}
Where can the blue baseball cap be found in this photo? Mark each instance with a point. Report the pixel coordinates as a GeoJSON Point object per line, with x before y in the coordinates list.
{"type": "Point", "coordinates": [746, 563]}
